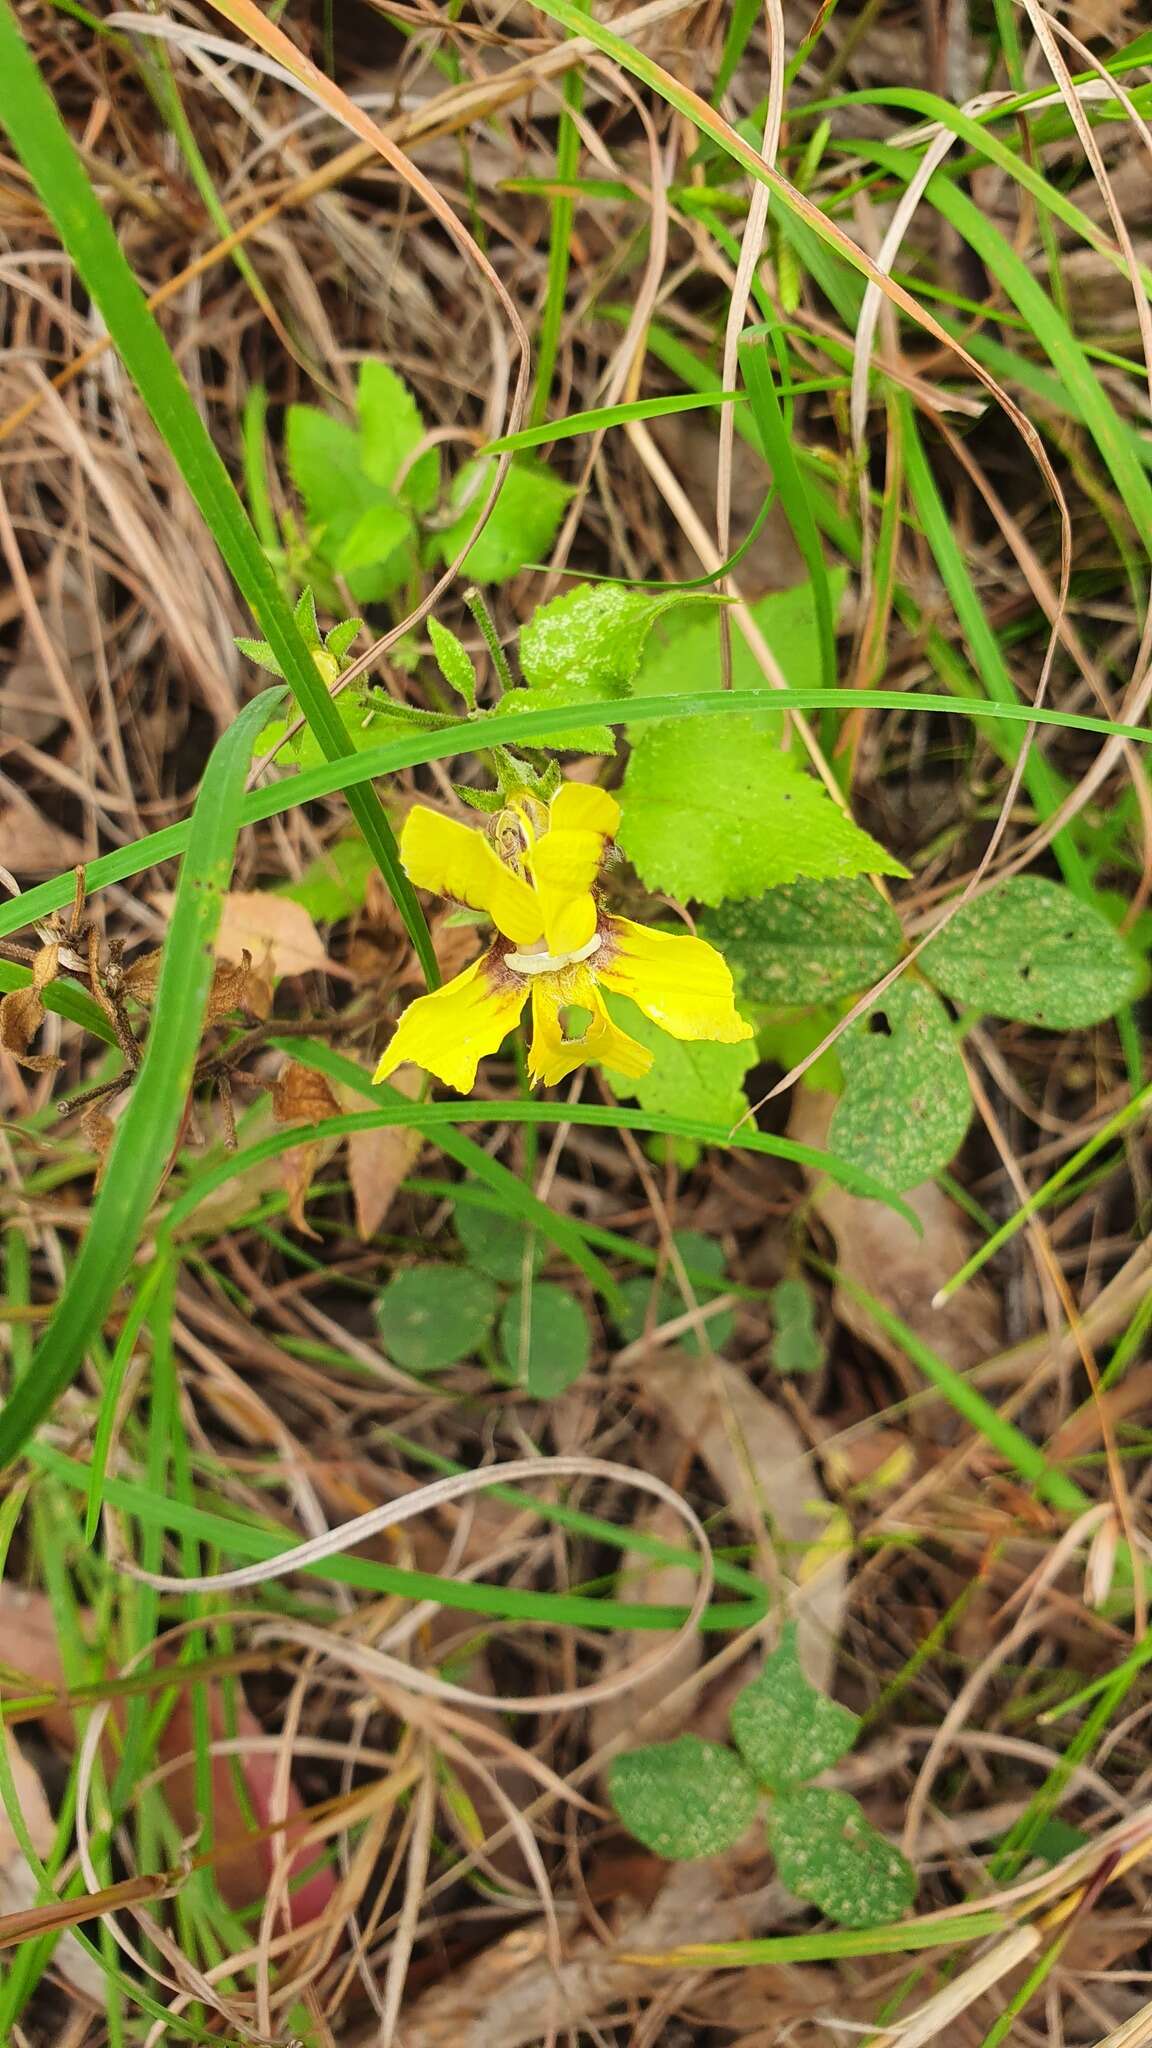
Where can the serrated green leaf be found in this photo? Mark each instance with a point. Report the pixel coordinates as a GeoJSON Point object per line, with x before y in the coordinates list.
{"type": "Point", "coordinates": [827, 1851]}
{"type": "Point", "coordinates": [807, 942]}
{"type": "Point", "coordinates": [714, 809]}
{"type": "Point", "coordinates": [335, 884]}
{"type": "Point", "coordinates": [785, 1730]}
{"type": "Point", "coordinates": [487, 800]}
{"type": "Point", "coordinates": [523, 523]}
{"type": "Point", "coordinates": [796, 1345]}
{"type": "Point", "coordinates": [455, 663]}
{"type": "Point", "coordinates": [433, 1316]}
{"type": "Point", "coordinates": [260, 652]}
{"type": "Point", "coordinates": [390, 428]}
{"type": "Point", "coordinates": [700, 1256]}
{"type": "Point", "coordinates": [304, 613]}
{"type": "Point", "coordinates": [1033, 951]}
{"type": "Point", "coordinates": [497, 1244]}
{"type": "Point", "coordinates": [906, 1104]}
{"type": "Point", "coordinates": [340, 639]}
{"type": "Point", "coordinates": [688, 1077]}
{"type": "Point", "coordinates": [683, 1799]}
{"type": "Point", "coordinates": [684, 652]}
{"type": "Point", "coordinates": [545, 1341]}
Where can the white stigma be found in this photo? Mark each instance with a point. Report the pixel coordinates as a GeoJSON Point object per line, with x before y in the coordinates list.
{"type": "Point", "coordinates": [551, 963]}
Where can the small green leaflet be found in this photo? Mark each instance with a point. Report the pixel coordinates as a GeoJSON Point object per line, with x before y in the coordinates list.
{"type": "Point", "coordinates": [685, 1798]}
{"type": "Point", "coordinates": [523, 525]}
{"type": "Point", "coordinates": [785, 1730]}
{"type": "Point", "coordinates": [433, 1316]}
{"type": "Point", "coordinates": [906, 1105]}
{"type": "Point", "coordinates": [390, 429]}
{"type": "Point", "coordinates": [687, 1077]}
{"type": "Point", "coordinates": [807, 942]}
{"type": "Point", "coordinates": [498, 1245]}
{"type": "Point", "coordinates": [1034, 951]}
{"type": "Point", "coordinates": [454, 662]}
{"type": "Point", "coordinates": [714, 809]}
{"type": "Point", "coordinates": [828, 1852]}
{"type": "Point", "coordinates": [545, 1341]}
{"type": "Point", "coordinates": [796, 1343]}
{"type": "Point", "coordinates": [701, 1256]}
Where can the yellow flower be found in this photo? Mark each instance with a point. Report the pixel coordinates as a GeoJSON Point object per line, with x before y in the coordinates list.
{"type": "Point", "coordinates": [534, 878]}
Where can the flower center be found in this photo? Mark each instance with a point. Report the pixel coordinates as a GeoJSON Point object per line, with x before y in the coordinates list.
{"type": "Point", "coordinates": [551, 963]}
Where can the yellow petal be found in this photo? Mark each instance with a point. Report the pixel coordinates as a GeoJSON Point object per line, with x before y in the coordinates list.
{"type": "Point", "coordinates": [553, 1056]}
{"type": "Point", "coordinates": [582, 807]}
{"type": "Point", "coordinates": [456, 860]}
{"type": "Point", "coordinates": [565, 861]}
{"type": "Point", "coordinates": [682, 983]}
{"type": "Point", "coordinates": [450, 1031]}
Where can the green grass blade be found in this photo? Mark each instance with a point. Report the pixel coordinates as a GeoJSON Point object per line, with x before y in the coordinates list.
{"type": "Point", "coordinates": [46, 149]}
{"type": "Point", "coordinates": [508, 730]}
{"type": "Point", "coordinates": [429, 1116]}
{"type": "Point", "coordinates": [248, 1541]}
{"type": "Point", "coordinates": [776, 441]}
{"type": "Point", "coordinates": [150, 1125]}
{"type": "Point", "coordinates": [560, 241]}
{"type": "Point", "coordinates": [609, 416]}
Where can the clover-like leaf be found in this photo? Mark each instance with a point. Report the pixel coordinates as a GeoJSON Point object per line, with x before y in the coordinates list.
{"type": "Point", "coordinates": [787, 1731]}
{"type": "Point", "coordinates": [433, 1316]}
{"type": "Point", "coordinates": [545, 1341]}
{"type": "Point", "coordinates": [685, 1798]}
{"type": "Point", "coordinates": [827, 1851]}
{"type": "Point", "coordinates": [807, 942]}
{"type": "Point", "coordinates": [703, 1260]}
{"type": "Point", "coordinates": [906, 1103]}
{"type": "Point", "coordinates": [1032, 950]}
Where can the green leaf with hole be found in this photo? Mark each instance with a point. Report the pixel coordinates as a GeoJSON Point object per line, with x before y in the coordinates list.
{"type": "Point", "coordinates": [906, 1105]}
{"type": "Point", "coordinates": [433, 1316]}
{"type": "Point", "coordinates": [807, 942]}
{"type": "Point", "coordinates": [785, 1730]}
{"type": "Point", "coordinates": [683, 1799]}
{"type": "Point", "coordinates": [545, 1341]}
{"type": "Point", "coordinates": [703, 1261]}
{"type": "Point", "coordinates": [715, 808]}
{"type": "Point", "coordinates": [1032, 950]}
{"type": "Point", "coordinates": [390, 428]}
{"type": "Point", "coordinates": [496, 1244]}
{"type": "Point", "coordinates": [796, 1343]}
{"type": "Point", "coordinates": [523, 525]}
{"type": "Point", "coordinates": [827, 1851]}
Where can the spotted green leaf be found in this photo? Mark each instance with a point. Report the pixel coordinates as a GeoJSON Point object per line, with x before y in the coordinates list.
{"type": "Point", "coordinates": [827, 1851]}
{"type": "Point", "coordinates": [807, 942]}
{"type": "Point", "coordinates": [685, 1798]}
{"type": "Point", "coordinates": [906, 1105]}
{"type": "Point", "coordinates": [1034, 951]}
{"type": "Point", "coordinates": [785, 1730]}
{"type": "Point", "coordinates": [433, 1316]}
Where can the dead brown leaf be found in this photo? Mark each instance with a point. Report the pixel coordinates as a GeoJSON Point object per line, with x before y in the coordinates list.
{"type": "Point", "coordinates": [31, 845]}
{"type": "Point", "coordinates": [22, 1014]}
{"type": "Point", "coordinates": [379, 1160]}
{"type": "Point", "coordinates": [275, 932]}
{"type": "Point", "coordinates": [883, 1254]}
{"type": "Point", "coordinates": [767, 1475]}
{"type": "Point", "coordinates": [302, 1096]}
